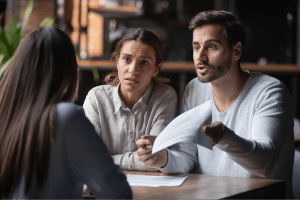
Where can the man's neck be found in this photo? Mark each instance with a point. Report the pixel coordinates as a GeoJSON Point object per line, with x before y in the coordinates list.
{"type": "Point", "coordinates": [227, 88]}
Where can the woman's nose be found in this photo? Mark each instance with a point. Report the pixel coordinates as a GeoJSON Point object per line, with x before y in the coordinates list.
{"type": "Point", "coordinates": [133, 67]}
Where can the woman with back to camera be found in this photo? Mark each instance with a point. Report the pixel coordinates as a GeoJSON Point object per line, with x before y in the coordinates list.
{"type": "Point", "coordinates": [135, 102]}
{"type": "Point", "coordinates": [48, 148]}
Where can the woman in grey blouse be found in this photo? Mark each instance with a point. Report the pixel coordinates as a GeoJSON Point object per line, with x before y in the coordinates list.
{"type": "Point", "coordinates": [135, 102]}
{"type": "Point", "coordinates": [48, 148]}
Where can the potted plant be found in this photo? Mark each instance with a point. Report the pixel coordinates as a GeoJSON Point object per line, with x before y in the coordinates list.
{"type": "Point", "coordinates": [11, 38]}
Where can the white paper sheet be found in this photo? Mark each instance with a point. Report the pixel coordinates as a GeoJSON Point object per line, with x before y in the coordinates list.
{"type": "Point", "coordinates": [154, 181]}
{"type": "Point", "coordinates": [187, 128]}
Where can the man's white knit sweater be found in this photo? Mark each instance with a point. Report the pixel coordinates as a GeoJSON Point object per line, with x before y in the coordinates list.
{"type": "Point", "coordinates": [258, 140]}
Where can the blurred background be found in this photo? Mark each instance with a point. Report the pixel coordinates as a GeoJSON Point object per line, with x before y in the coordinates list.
{"type": "Point", "coordinates": [95, 26]}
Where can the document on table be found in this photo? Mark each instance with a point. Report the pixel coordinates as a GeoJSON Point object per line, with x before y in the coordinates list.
{"type": "Point", "coordinates": [154, 181]}
{"type": "Point", "coordinates": [187, 128]}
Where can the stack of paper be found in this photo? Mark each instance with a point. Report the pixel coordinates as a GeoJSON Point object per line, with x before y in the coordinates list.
{"type": "Point", "coordinates": [154, 181]}
{"type": "Point", "coordinates": [187, 127]}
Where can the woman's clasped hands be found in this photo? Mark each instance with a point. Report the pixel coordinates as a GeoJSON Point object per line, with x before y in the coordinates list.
{"type": "Point", "coordinates": [157, 160]}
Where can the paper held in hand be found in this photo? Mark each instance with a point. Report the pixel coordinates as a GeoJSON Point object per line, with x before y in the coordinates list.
{"type": "Point", "coordinates": [187, 128]}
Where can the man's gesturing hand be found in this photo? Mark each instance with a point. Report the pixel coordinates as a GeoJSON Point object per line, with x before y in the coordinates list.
{"type": "Point", "coordinates": [216, 131]}
{"type": "Point", "coordinates": [157, 160]}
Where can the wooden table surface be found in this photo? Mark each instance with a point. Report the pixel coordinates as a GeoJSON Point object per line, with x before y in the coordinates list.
{"type": "Point", "coordinates": [198, 186]}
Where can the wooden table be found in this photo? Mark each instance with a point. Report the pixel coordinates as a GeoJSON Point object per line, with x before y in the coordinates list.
{"type": "Point", "coordinates": [198, 186]}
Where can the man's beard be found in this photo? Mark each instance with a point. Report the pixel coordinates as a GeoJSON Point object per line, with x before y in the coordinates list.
{"type": "Point", "coordinates": [216, 72]}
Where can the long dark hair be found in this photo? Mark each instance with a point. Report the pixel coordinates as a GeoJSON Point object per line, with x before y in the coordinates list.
{"type": "Point", "coordinates": [42, 72]}
{"type": "Point", "coordinates": [144, 36]}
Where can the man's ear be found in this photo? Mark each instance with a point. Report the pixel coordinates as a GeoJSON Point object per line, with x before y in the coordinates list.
{"type": "Point", "coordinates": [156, 70]}
{"type": "Point", "coordinates": [237, 51]}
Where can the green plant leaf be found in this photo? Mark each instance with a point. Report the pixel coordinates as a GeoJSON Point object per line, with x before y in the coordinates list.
{"type": "Point", "coordinates": [95, 73]}
{"type": "Point", "coordinates": [27, 14]}
{"type": "Point", "coordinates": [13, 25]}
{"type": "Point", "coordinates": [3, 44]}
{"type": "Point", "coordinates": [1, 58]}
{"type": "Point", "coordinates": [47, 22]}
{"type": "Point", "coordinates": [16, 41]}
{"type": "Point", "coordinates": [3, 68]}
{"type": "Point", "coordinates": [12, 29]}
{"type": "Point", "coordinates": [13, 41]}
{"type": "Point", "coordinates": [10, 39]}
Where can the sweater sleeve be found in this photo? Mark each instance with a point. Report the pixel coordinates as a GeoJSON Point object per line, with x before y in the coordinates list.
{"type": "Point", "coordinates": [182, 156]}
{"type": "Point", "coordinates": [89, 159]}
{"type": "Point", "coordinates": [165, 113]}
{"type": "Point", "coordinates": [271, 132]}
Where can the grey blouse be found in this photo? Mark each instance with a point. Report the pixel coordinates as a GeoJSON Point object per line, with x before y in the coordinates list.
{"type": "Point", "coordinates": [120, 127]}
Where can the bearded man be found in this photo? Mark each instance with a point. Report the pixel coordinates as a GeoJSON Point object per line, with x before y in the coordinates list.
{"type": "Point", "coordinates": [252, 113]}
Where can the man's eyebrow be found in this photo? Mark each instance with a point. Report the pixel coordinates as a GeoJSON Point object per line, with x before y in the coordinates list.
{"type": "Point", "coordinates": [208, 41]}
{"type": "Point", "coordinates": [212, 40]}
{"type": "Point", "coordinates": [145, 57]}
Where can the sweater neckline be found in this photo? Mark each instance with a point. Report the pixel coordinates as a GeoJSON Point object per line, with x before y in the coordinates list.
{"type": "Point", "coordinates": [236, 100]}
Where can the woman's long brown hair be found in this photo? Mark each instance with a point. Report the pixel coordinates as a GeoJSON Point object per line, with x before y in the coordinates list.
{"type": "Point", "coordinates": [42, 72]}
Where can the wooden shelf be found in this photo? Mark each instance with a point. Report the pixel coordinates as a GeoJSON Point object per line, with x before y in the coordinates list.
{"type": "Point", "coordinates": [95, 63]}
{"type": "Point", "coordinates": [122, 8]}
{"type": "Point", "coordinates": [287, 68]}
{"type": "Point", "coordinates": [189, 66]}
{"type": "Point", "coordinates": [116, 12]}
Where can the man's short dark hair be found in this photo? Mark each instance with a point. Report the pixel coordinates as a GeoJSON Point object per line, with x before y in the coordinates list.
{"type": "Point", "coordinates": [235, 31]}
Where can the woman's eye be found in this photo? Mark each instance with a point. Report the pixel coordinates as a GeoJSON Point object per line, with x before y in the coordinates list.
{"type": "Point", "coordinates": [212, 46]}
{"type": "Point", "coordinates": [126, 59]}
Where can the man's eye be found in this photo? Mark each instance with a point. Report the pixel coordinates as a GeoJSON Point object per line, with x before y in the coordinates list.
{"type": "Point", "coordinates": [144, 62]}
{"type": "Point", "coordinates": [196, 47]}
